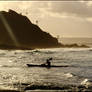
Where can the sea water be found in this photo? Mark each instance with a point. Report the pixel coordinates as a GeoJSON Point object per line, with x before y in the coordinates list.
{"type": "Point", "coordinates": [14, 73]}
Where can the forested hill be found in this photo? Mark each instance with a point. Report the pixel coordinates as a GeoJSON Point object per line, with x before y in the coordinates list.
{"type": "Point", "coordinates": [18, 32]}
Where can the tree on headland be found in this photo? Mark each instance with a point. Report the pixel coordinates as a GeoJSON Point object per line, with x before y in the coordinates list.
{"type": "Point", "coordinates": [36, 22]}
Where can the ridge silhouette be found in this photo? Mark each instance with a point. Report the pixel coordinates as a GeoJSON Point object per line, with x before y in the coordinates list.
{"type": "Point", "coordinates": [27, 34]}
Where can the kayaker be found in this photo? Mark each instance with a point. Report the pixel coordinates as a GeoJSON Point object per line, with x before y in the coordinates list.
{"type": "Point", "coordinates": [48, 63]}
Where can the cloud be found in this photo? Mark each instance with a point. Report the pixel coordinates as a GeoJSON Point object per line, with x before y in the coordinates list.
{"type": "Point", "coordinates": [68, 18]}
{"type": "Point", "coordinates": [71, 8]}
{"type": "Point", "coordinates": [81, 9]}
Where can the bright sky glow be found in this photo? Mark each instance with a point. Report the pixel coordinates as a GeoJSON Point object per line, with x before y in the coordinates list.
{"type": "Point", "coordinates": [67, 19]}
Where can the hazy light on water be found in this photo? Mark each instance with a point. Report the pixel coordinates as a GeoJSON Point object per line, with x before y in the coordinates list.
{"type": "Point", "coordinates": [9, 30]}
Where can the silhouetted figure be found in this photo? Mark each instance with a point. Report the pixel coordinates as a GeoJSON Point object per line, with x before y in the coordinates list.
{"type": "Point", "coordinates": [48, 63]}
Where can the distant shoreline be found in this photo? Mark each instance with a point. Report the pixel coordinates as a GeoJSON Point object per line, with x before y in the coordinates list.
{"type": "Point", "coordinates": [75, 45]}
{"type": "Point", "coordinates": [77, 40]}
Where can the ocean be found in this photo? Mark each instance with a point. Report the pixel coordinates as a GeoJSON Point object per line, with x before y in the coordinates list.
{"type": "Point", "coordinates": [14, 73]}
{"type": "Point", "coordinates": [70, 40]}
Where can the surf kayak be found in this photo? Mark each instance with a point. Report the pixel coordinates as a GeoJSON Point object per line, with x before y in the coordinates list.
{"type": "Point", "coordinates": [32, 65]}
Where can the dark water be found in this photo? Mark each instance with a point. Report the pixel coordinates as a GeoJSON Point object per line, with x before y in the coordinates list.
{"type": "Point", "coordinates": [14, 74]}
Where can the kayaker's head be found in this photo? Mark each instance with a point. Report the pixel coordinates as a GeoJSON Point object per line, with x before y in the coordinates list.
{"type": "Point", "coordinates": [50, 58]}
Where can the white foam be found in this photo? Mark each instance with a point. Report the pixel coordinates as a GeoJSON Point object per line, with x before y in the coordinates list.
{"type": "Point", "coordinates": [86, 82]}
{"type": "Point", "coordinates": [1, 65]}
{"type": "Point", "coordinates": [10, 61]}
{"type": "Point", "coordinates": [69, 75]}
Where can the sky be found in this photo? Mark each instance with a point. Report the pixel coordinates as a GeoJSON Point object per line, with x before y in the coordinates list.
{"type": "Point", "coordinates": [63, 18]}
